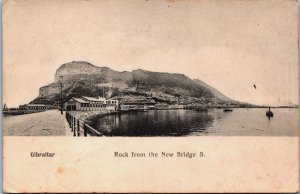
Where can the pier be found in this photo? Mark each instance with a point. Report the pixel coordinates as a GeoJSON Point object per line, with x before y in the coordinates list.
{"type": "Point", "coordinates": [47, 123]}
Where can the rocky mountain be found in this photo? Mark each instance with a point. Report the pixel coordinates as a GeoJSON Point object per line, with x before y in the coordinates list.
{"type": "Point", "coordinates": [81, 78]}
{"type": "Point", "coordinates": [214, 91]}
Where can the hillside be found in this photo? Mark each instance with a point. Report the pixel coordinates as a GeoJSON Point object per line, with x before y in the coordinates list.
{"type": "Point", "coordinates": [214, 91]}
{"type": "Point", "coordinates": [84, 79]}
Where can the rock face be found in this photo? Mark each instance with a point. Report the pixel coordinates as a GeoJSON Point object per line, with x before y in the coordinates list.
{"type": "Point", "coordinates": [84, 79]}
{"type": "Point", "coordinates": [214, 91]}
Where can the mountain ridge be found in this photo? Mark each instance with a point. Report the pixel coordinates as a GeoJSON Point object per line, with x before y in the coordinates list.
{"type": "Point", "coordinates": [81, 78]}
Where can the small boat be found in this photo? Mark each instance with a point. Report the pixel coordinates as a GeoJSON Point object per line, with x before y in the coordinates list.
{"type": "Point", "coordinates": [269, 113]}
{"type": "Point", "coordinates": [201, 109]}
{"type": "Point", "coordinates": [227, 110]}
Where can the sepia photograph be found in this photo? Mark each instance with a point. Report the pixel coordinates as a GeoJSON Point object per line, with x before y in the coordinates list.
{"type": "Point", "coordinates": [87, 100]}
{"type": "Point", "coordinates": [207, 87]}
{"type": "Point", "coordinates": [181, 72]}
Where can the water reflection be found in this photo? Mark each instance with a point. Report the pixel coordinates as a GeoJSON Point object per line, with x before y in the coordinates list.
{"type": "Point", "coordinates": [240, 122]}
{"type": "Point", "coordinates": [154, 123]}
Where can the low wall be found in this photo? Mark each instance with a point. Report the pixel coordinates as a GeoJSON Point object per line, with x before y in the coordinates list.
{"type": "Point", "coordinates": [78, 124]}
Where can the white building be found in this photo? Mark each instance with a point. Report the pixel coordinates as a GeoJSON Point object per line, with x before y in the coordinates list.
{"type": "Point", "coordinates": [85, 103]}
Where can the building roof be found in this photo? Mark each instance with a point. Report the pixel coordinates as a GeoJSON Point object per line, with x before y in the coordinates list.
{"type": "Point", "coordinates": [86, 99]}
{"type": "Point", "coordinates": [112, 100]}
{"type": "Point", "coordinates": [94, 99]}
{"type": "Point", "coordinates": [80, 100]}
{"type": "Point", "coordinates": [34, 105]}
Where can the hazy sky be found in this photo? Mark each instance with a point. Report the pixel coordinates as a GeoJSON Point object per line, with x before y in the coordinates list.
{"type": "Point", "coordinates": [228, 44]}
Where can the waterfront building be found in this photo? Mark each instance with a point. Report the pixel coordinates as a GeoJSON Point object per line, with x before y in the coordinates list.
{"type": "Point", "coordinates": [166, 106]}
{"type": "Point", "coordinates": [85, 103]}
{"type": "Point", "coordinates": [136, 105]}
{"type": "Point", "coordinates": [162, 106]}
{"type": "Point", "coordinates": [126, 107]}
{"type": "Point", "coordinates": [34, 107]}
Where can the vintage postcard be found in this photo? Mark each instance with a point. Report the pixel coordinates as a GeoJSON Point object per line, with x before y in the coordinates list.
{"type": "Point", "coordinates": [150, 96]}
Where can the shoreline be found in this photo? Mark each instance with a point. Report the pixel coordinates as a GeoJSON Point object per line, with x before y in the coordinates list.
{"type": "Point", "coordinates": [83, 120]}
{"type": "Point", "coordinates": [86, 116]}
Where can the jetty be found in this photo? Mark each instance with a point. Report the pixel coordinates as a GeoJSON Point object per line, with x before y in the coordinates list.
{"type": "Point", "coordinates": [46, 123]}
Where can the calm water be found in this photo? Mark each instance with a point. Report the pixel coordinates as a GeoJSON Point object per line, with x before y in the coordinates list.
{"type": "Point", "coordinates": [240, 122]}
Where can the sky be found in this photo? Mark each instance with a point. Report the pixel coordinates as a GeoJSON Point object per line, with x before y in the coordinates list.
{"type": "Point", "coordinates": [230, 44]}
